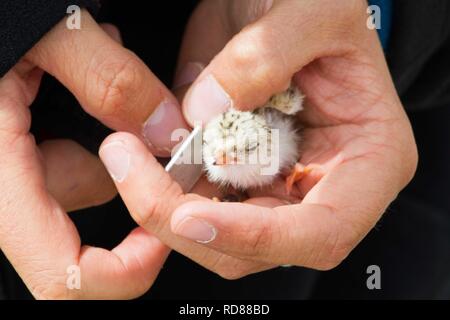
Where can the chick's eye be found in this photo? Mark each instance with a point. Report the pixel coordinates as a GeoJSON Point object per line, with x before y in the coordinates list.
{"type": "Point", "coordinates": [252, 147]}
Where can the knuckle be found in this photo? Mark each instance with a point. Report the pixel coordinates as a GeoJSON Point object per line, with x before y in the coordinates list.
{"type": "Point", "coordinates": [259, 240]}
{"type": "Point", "coordinates": [411, 162]}
{"type": "Point", "coordinates": [241, 13]}
{"type": "Point", "coordinates": [332, 255]}
{"type": "Point", "coordinates": [335, 246]}
{"type": "Point", "coordinates": [50, 293]}
{"type": "Point", "coordinates": [332, 258]}
{"type": "Point", "coordinates": [13, 118]}
{"type": "Point", "coordinates": [253, 52]}
{"type": "Point", "coordinates": [404, 153]}
{"type": "Point", "coordinates": [7, 103]}
{"type": "Point", "coordinates": [328, 265]}
{"type": "Point", "coordinates": [115, 80]}
{"type": "Point", "coordinates": [228, 268]}
{"type": "Point", "coordinates": [155, 209]}
{"type": "Point", "coordinates": [338, 19]}
{"type": "Point", "coordinates": [231, 272]}
{"type": "Point", "coordinates": [52, 287]}
{"type": "Point", "coordinates": [146, 213]}
{"type": "Point", "coordinates": [349, 12]}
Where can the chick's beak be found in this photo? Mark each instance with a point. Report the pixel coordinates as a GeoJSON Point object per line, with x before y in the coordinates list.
{"type": "Point", "coordinates": [222, 159]}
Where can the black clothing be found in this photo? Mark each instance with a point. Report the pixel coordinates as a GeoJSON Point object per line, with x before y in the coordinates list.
{"type": "Point", "coordinates": [24, 22]}
{"type": "Point", "coordinates": [411, 244]}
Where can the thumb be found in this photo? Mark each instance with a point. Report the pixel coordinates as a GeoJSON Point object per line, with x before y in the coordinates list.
{"type": "Point", "coordinates": [302, 235]}
{"type": "Point", "coordinates": [257, 62]}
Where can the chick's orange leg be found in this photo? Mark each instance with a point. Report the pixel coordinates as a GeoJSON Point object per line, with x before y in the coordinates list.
{"type": "Point", "coordinates": [298, 173]}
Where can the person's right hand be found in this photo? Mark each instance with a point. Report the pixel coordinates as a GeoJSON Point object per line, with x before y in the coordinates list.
{"type": "Point", "coordinates": [355, 131]}
{"type": "Point", "coordinates": [38, 182]}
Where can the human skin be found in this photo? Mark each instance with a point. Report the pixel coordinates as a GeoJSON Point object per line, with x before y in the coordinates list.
{"type": "Point", "coordinates": [356, 132]}
{"type": "Point", "coordinates": [40, 183]}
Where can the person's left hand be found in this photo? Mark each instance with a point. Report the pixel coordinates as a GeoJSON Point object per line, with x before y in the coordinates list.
{"type": "Point", "coordinates": [39, 183]}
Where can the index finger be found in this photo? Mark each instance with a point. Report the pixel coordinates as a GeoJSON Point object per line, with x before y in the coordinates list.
{"type": "Point", "coordinates": [110, 82]}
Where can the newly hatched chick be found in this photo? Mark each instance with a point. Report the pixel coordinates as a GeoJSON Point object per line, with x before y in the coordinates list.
{"type": "Point", "coordinates": [249, 149]}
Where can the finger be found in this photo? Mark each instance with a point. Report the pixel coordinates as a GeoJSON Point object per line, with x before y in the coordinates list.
{"type": "Point", "coordinates": [206, 34]}
{"type": "Point", "coordinates": [187, 75]}
{"type": "Point", "coordinates": [319, 233]}
{"type": "Point", "coordinates": [277, 190]}
{"type": "Point", "coordinates": [127, 271]}
{"type": "Point", "coordinates": [110, 82]}
{"type": "Point", "coordinates": [271, 235]}
{"type": "Point", "coordinates": [151, 196]}
{"type": "Point", "coordinates": [185, 79]}
{"type": "Point", "coordinates": [204, 188]}
{"type": "Point", "coordinates": [112, 31]}
{"type": "Point", "coordinates": [148, 191]}
{"type": "Point", "coordinates": [74, 177]}
{"type": "Point", "coordinates": [260, 60]}
{"type": "Point", "coordinates": [266, 201]}
{"type": "Point", "coordinates": [36, 235]}
{"type": "Point", "coordinates": [211, 26]}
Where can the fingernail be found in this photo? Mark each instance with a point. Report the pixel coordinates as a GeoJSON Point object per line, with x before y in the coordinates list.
{"type": "Point", "coordinates": [162, 122]}
{"type": "Point", "coordinates": [116, 159]}
{"type": "Point", "coordinates": [206, 100]}
{"type": "Point", "coordinates": [188, 74]}
{"type": "Point", "coordinates": [196, 229]}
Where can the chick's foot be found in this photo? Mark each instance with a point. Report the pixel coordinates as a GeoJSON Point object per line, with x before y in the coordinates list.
{"type": "Point", "coordinates": [298, 173]}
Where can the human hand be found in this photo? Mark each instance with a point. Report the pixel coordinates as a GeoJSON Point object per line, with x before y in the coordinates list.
{"type": "Point", "coordinates": [355, 129]}
{"type": "Point", "coordinates": [38, 183]}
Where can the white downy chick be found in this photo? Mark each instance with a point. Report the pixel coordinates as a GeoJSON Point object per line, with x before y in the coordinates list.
{"type": "Point", "coordinates": [249, 149]}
